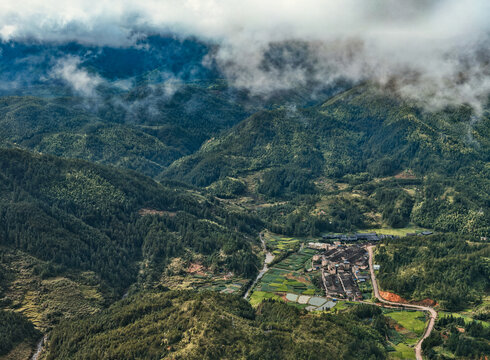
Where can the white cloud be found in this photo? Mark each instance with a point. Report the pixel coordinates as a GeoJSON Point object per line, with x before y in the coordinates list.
{"type": "Point", "coordinates": [68, 69]}
{"type": "Point", "coordinates": [437, 51]}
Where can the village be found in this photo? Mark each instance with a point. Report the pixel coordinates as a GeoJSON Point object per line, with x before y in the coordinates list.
{"type": "Point", "coordinates": [344, 265]}
{"type": "Point", "coordinates": [319, 274]}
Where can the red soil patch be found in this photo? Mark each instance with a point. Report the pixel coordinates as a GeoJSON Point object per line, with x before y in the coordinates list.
{"type": "Point", "coordinates": [397, 298]}
{"type": "Point", "coordinates": [227, 276]}
{"type": "Point", "coordinates": [392, 297]}
{"type": "Point", "coordinates": [426, 302]}
{"type": "Point", "coordinates": [398, 327]}
{"type": "Point", "coordinates": [196, 269]}
{"type": "Point", "coordinates": [283, 296]}
{"type": "Point", "coordinates": [144, 212]}
{"type": "Point", "coordinates": [301, 279]}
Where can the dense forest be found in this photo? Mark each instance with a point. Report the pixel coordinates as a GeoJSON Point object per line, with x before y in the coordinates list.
{"type": "Point", "coordinates": [360, 137]}
{"type": "Point", "coordinates": [143, 130]}
{"type": "Point", "coordinates": [189, 325]}
{"type": "Point", "coordinates": [409, 165]}
{"type": "Point", "coordinates": [76, 215]}
{"type": "Point", "coordinates": [447, 268]}
{"type": "Point", "coordinates": [15, 328]}
{"type": "Point", "coordinates": [462, 339]}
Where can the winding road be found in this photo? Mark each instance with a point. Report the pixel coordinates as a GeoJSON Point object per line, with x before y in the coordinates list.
{"type": "Point", "coordinates": [268, 259]}
{"type": "Point", "coordinates": [432, 312]}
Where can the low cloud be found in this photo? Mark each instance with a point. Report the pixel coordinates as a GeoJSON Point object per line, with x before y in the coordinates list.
{"type": "Point", "coordinates": [433, 51]}
{"type": "Point", "coordinates": [80, 80]}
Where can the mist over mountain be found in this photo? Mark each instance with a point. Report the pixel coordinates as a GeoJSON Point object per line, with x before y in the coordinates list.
{"type": "Point", "coordinates": [435, 52]}
{"type": "Point", "coordinates": [215, 179]}
{"type": "Point", "coordinates": [72, 68]}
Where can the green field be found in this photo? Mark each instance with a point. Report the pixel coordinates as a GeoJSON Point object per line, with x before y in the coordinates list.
{"type": "Point", "coordinates": [280, 280]}
{"type": "Point", "coordinates": [467, 319]}
{"type": "Point", "coordinates": [258, 296]}
{"type": "Point", "coordinates": [288, 276]}
{"type": "Point", "coordinates": [297, 261]}
{"type": "Point", "coordinates": [413, 321]}
{"type": "Point", "coordinates": [280, 244]}
{"type": "Point", "coordinates": [406, 329]}
{"type": "Point", "coordinates": [402, 352]}
{"type": "Point", "coordinates": [395, 231]}
{"type": "Point", "coordinates": [343, 304]}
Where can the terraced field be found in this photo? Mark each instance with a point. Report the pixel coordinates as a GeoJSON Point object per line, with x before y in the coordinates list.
{"type": "Point", "coordinates": [414, 321]}
{"type": "Point", "coordinates": [281, 280]}
{"type": "Point", "coordinates": [406, 329]}
{"type": "Point", "coordinates": [297, 261]}
{"type": "Point", "coordinates": [280, 244]}
{"type": "Point", "coordinates": [288, 280]}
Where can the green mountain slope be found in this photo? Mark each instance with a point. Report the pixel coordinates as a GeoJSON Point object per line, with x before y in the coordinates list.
{"type": "Point", "coordinates": [456, 271]}
{"type": "Point", "coordinates": [187, 325]}
{"type": "Point", "coordinates": [99, 225]}
{"type": "Point", "coordinates": [383, 148]}
{"type": "Point", "coordinates": [143, 129]}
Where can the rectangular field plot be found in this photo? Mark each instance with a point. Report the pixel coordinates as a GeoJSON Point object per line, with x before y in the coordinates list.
{"type": "Point", "coordinates": [279, 244]}
{"type": "Point", "coordinates": [296, 261]}
{"type": "Point", "coordinates": [282, 279]}
{"type": "Point", "coordinates": [413, 321]}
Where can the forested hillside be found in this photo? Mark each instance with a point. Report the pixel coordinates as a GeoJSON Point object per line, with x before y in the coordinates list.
{"type": "Point", "coordinates": [143, 129]}
{"type": "Point", "coordinates": [407, 164]}
{"type": "Point", "coordinates": [15, 328]}
{"type": "Point", "coordinates": [452, 270]}
{"type": "Point", "coordinates": [102, 226]}
{"type": "Point", "coordinates": [158, 182]}
{"type": "Point", "coordinates": [211, 180]}
{"type": "Point", "coordinates": [187, 325]}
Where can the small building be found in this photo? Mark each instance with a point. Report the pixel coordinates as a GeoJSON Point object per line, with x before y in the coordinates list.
{"type": "Point", "coordinates": [376, 267]}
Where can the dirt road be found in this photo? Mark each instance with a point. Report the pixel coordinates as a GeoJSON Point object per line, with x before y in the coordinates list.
{"type": "Point", "coordinates": [268, 259]}
{"type": "Point", "coordinates": [432, 312]}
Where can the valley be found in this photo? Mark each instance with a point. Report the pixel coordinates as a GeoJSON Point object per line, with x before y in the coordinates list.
{"type": "Point", "coordinates": [328, 292]}
{"type": "Point", "coordinates": [161, 211]}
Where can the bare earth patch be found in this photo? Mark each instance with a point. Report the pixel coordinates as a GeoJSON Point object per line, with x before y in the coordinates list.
{"type": "Point", "coordinates": [144, 212]}
{"type": "Point", "coordinates": [195, 268]}
{"type": "Point", "coordinates": [392, 297]}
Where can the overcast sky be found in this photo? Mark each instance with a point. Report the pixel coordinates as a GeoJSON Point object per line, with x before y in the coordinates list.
{"type": "Point", "coordinates": [435, 51]}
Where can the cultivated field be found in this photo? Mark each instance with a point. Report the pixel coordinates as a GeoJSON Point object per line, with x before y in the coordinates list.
{"type": "Point", "coordinates": [406, 329]}
{"type": "Point", "coordinates": [288, 279]}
